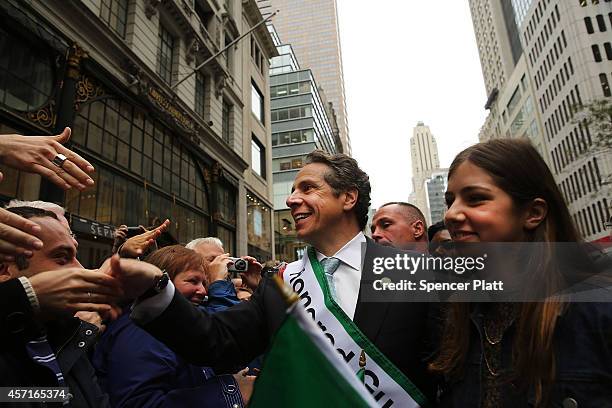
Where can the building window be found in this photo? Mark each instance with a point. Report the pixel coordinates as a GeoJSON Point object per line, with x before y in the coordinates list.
{"type": "Point", "coordinates": [226, 205]}
{"type": "Point", "coordinates": [589, 25]}
{"type": "Point", "coordinates": [26, 73]}
{"type": "Point", "coordinates": [165, 180]}
{"type": "Point", "coordinates": [596, 53]}
{"type": "Point", "coordinates": [258, 157]}
{"type": "Point", "coordinates": [514, 100]}
{"type": "Point", "coordinates": [226, 130]}
{"type": "Point", "coordinates": [294, 136]}
{"type": "Point", "coordinates": [289, 163]}
{"type": "Point", "coordinates": [114, 14]}
{"type": "Point", "coordinates": [200, 93]}
{"type": "Point", "coordinates": [257, 103]}
{"type": "Point", "coordinates": [165, 56]}
{"type": "Point", "coordinates": [291, 89]}
{"type": "Point", "coordinates": [256, 55]}
{"type": "Point", "coordinates": [605, 85]}
{"type": "Point", "coordinates": [601, 23]}
{"type": "Point", "coordinates": [259, 228]}
{"type": "Point", "coordinates": [292, 113]}
{"type": "Point", "coordinates": [229, 53]}
{"type": "Point", "coordinates": [228, 237]}
{"type": "Point", "coordinates": [608, 48]}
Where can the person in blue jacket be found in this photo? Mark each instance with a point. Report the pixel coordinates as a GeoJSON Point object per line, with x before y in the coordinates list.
{"type": "Point", "coordinates": [221, 292]}
{"type": "Point", "coordinates": [136, 370]}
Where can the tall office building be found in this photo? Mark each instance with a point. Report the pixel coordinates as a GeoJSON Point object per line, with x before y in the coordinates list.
{"type": "Point", "coordinates": [424, 153]}
{"type": "Point", "coordinates": [300, 124]}
{"type": "Point", "coordinates": [565, 60]}
{"type": "Point", "coordinates": [311, 27]}
{"type": "Point", "coordinates": [435, 187]}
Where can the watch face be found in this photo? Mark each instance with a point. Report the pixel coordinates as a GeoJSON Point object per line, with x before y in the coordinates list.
{"type": "Point", "coordinates": [163, 282]}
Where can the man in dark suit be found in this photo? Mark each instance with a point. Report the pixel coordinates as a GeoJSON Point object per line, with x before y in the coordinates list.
{"type": "Point", "coordinates": [329, 203]}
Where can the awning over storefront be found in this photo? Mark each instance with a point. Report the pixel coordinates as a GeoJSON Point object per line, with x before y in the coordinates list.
{"type": "Point", "coordinates": [19, 12]}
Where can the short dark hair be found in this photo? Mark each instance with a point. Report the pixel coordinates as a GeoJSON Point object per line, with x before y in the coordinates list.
{"type": "Point", "coordinates": [413, 210]}
{"type": "Point", "coordinates": [32, 212]}
{"type": "Point", "coordinates": [345, 175]}
{"type": "Point", "coordinates": [434, 229]}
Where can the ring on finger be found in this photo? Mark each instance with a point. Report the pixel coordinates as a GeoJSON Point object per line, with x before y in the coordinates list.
{"type": "Point", "coordinates": [59, 160]}
{"type": "Point", "coordinates": [89, 294]}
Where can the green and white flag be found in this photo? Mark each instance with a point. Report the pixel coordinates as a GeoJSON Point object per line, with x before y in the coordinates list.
{"type": "Point", "coordinates": [389, 386]}
{"type": "Point", "coordinates": [302, 369]}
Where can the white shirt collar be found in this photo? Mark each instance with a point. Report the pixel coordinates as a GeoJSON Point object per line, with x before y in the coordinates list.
{"type": "Point", "coordinates": [350, 253]}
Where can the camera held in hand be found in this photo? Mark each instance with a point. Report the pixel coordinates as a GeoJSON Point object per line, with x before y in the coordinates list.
{"type": "Point", "coordinates": [239, 265]}
{"type": "Point", "coordinates": [133, 231]}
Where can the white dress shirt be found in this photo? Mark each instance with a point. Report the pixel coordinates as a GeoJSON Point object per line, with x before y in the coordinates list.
{"type": "Point", "coordinates": [347, 277]}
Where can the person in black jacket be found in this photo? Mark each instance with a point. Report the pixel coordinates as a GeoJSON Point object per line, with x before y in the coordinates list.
{"type": "Point", "coordinates": [329, 204]}
{"type": "Point", "coordinates": [46, 347]}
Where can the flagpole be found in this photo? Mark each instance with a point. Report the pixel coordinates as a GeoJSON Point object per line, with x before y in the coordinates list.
{"type": "Point", "coordinates": [223, 50]}
{"type": "Point", "coordinates": [288, 295]}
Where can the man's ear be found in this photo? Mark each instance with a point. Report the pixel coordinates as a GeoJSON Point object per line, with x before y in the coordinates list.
{"type": "Point", "coordinates": [5, 274]}
{"type": "Point", "coordinates": [350, 199]}
{"type": "Point", "coordinates": [419, 229]}
{"type": "Point", "coordinates": [535, 213]}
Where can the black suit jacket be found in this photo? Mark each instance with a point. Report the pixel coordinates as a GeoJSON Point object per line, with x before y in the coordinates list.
{"type": "Point", "coordinates": [228, 340]}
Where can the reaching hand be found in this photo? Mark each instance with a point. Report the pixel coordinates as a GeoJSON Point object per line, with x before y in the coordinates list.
{"type": "Point", "coordinates": [120, 237]}
{"type": "Point", "coordinates": [135, 277]}
{"type": "Point", "coordinates": [252, 276]}
{"type": "Point", "coordinates": [42, 155]}
{"type": "Point", "coordinates": [92, 317]}
{"type": "Point", "coordinates": [17, 236]}
{"type": "Point", "coordinates": [217, 269]}
{"type": "Point", "coordinates": [136, 246]}
{"type": "Point", "coordinates": [245, 383]}
{"type": "Point", "coordinates": [121, 232]}
{"type": "Point", "coordinates": [71, 290]}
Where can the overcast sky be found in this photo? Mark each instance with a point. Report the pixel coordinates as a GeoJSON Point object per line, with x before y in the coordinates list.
{"type": "Point", "coordinates": [407, 61]}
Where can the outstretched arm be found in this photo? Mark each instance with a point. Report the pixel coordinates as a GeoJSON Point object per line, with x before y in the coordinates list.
{"type": "Point", "coordinates": [45, 155]}
{"type": "Point", "coordinates": [226, 341]}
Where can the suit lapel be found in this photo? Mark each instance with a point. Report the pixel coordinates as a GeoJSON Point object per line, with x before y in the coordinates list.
{"type": "Point", "coordinates": [369, 316]}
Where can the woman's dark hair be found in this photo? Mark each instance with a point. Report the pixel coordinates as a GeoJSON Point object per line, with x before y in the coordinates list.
{"type": "Point", "coordinates": [344, 175]}
{"type": "Point", "coordinates": [434, 229]}
{"type": "Point", "coordinates": [175, 259]}
{"type": "Point", "coordinates": [518, 169]}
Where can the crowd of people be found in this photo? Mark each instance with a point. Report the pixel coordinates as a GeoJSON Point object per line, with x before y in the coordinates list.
{"type": "Point", "coordinates": [162, 324]}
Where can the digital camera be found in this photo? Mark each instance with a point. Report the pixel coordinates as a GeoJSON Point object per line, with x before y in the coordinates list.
{"type": "Point", "coordinates": [239, 265]}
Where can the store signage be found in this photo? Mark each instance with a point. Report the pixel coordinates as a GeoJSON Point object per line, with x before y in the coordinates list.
{"type": "Point", "coordinates": [90, 227]}
{"type": "Point", "coordinates": [167, 107]}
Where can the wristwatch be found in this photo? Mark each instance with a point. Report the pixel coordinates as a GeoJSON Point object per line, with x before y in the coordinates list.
{"type": "Point", "coordinates": [157, 287]}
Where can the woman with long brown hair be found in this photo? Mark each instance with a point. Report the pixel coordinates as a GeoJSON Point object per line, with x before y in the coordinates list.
{"type": "Point", "coordinates": [545, 353]}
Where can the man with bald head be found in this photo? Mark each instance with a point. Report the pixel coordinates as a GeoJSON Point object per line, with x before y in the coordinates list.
{"type": "Point", "coordinates": [400, 225]}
